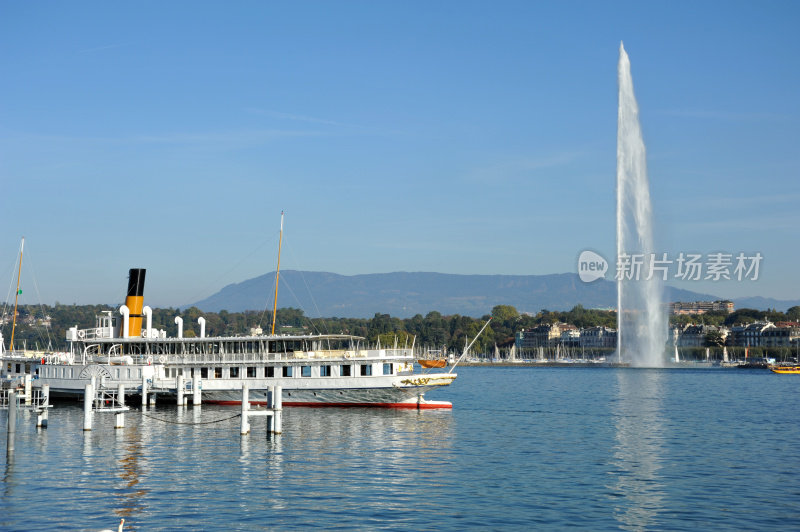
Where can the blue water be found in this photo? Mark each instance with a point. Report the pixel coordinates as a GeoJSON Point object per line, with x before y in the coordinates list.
{"type": "Point", "coordinates": [546, 448]}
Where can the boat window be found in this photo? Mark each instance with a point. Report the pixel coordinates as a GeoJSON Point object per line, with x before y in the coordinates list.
{"type": "Point", "coordinates": [251, 372]}
{"type": "Point", "coordinates": [387, 368]}
{"type": "Point", "coordinates": [344, 371]}
{"type": "Point", "coordinates": [270, 372]}
{"type": "Point", "coordinates": [287, 371]}
{"type": "Point", "coordinates": [305, 371]}
{"type": "Point", "coordinates": [203, 373]}
{"type": "Point", "coordinates": [366, 370]}
{"type": "Point", "coordinates": [324, 371]}
{"type": "Point", "coordinates": [18, 368]}
{"type": "Point", "coordinates": [217, 373]}
{"type": "Point", "coordinates": [233, 372]}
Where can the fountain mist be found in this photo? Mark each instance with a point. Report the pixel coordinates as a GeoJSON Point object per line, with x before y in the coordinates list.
{"type": "Point", "coordinates": [641, 316]}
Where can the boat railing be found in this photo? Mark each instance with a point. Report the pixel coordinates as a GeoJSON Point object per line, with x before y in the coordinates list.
{"type": "Point", "coordinates": [244, 358]}
{"type": "Point", "coordinates": [94, 333]}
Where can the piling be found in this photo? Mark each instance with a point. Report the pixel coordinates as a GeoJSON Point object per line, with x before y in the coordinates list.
{"type": "Point", "coordinates": [88, 399]}
{"type": "Point", "coordinates": [271, 408]}
{"type": "Point", "coordinates": [197, 387]}
{"type": "Point", "coordinates": [12, 420]}
{"type": "Point", "coordinates": [277, 405]}
{"type": "Point", "coordinates": [119, 422]}
{"type": "Point", "coordinates": [93, 382]}
{"type": "Point", "coordinates": [28, 389]}
{"type": "Point", "coordinates": [144, 392]}
{"type": "Point", "coordinates": [180, 389]}
{"type": "Point", "coordinates": [41, 414]}
{"type": "Point", "coordinates": [245, 429]}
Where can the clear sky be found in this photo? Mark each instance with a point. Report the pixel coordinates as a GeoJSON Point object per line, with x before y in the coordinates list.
{"type": "Point", "coordinates": [447, 136]}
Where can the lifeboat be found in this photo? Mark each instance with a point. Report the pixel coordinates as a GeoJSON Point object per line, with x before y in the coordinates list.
{"type": "Point", "coordinates": [432, 363]}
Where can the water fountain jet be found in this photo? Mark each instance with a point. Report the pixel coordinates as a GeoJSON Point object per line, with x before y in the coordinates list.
{"type": "Point", "coordinates": [641, 315]}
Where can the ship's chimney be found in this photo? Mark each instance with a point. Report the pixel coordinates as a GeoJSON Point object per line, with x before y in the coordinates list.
{"type": "Point", "coordinates": [134, 300]}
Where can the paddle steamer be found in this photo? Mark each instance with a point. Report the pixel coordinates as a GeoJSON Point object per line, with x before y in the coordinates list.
{"type": "Point", "coordinates": [313, 370]}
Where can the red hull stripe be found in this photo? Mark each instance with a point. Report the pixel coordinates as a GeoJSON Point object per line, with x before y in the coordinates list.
{"type": "Point", "coordinates": [410, 406]}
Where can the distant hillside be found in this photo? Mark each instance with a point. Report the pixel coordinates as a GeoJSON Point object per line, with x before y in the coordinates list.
{"type": "Point", "coordinates": [404, 294]}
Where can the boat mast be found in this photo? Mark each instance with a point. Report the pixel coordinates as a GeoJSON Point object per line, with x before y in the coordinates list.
{"type": "Point", "coordinates": [277, 275]}
{"type": "Point", "coordinates": [16, 296]}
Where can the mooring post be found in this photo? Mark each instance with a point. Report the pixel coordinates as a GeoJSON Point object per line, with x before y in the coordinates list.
{"type": "Point", "coordinates": [245, 407]}
{"type": "Point", "coordinates": [179, 389]}
{"type": "Point", "coordinates": [144, 391]}
{"type": "Point", "coordinates": [119, 422]}
{"type": "Point", "coordinates": [278, 401]}
{"type": "Point", "coordinates": [28, 389]}
{"type": "Point", "coordinates": [12, 419]}
{"type": "Point", "coordinates": [197, 387]}
{"type": "Point", "coordinates": [88, 400]}
{"type": "Point", "coordinates": [41, 417]}
{"type": "Point", "coordinates": [93, 382]}
{"type": "Point", "coordinates": [270, 412]}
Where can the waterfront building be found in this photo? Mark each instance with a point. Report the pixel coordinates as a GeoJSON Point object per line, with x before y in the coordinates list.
{"type": "Point", "coordinates": [749, 335]}
{"type": "Point", "coordinates": [545, 335]}
{"type": "Point", "coordinates": [598, 337]}
{"type": "Point", "coordinates": [701, 307]}
{"type": "Point", "coordinates": [784, 334]}
{"type": "Point", "coordinates": [695, 335]}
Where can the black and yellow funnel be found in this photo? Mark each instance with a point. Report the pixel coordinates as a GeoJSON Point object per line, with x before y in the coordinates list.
{"type": "Point", "coordinates": [134, 301]}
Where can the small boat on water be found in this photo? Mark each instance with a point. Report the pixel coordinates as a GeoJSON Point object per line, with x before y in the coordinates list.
{"type": "Point", "coordinates": [313, 370]}
{"type": "Point", "coordinates": [785, 369]}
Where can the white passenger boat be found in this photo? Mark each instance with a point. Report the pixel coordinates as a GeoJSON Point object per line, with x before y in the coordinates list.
{"type": "Point", "coordinates": [313, 370]}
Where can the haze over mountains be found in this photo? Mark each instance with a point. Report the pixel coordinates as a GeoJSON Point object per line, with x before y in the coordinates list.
{"type": "Point", "coordinates": [404, 294]}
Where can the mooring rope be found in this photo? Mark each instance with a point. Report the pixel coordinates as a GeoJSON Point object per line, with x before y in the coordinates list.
{"type": "Point", "coordinates": [191, 422]}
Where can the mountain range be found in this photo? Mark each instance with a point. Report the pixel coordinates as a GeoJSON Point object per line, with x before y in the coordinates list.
{"type": "Point", "coordinates": [404, 294]}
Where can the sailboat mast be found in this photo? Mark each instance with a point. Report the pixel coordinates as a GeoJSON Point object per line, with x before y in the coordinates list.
{"type": "Point", "coordinates": [16, 296]}
{"type": "Point", "coordinates": [277, 275]}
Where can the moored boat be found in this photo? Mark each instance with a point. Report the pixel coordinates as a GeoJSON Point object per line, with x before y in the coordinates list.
{"type": "Point", "coordinates": [313, 370]}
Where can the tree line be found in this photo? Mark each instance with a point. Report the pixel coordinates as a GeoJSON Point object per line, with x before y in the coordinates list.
{"type": "Point", "coordinates": [432, 331]}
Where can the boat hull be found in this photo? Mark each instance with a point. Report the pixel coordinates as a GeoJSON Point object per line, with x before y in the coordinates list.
{"type": "Point", "coordinates": [409, 398]}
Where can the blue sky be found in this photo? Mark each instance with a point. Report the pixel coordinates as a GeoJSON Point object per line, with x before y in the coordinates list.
{"type": "Point", "coordinates": [457, 137]}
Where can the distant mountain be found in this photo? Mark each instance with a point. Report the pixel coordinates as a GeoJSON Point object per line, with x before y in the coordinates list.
{"type": "Point", "coordinates": [764, 303]}
{"type": "Point", "coordinates": [404, 294]}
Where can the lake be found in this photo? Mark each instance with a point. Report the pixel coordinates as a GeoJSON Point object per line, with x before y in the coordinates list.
{"type": "Point", "coordinates": [546, 448]}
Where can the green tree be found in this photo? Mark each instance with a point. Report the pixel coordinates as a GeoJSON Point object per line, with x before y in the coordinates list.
{"type": "Point", "coordinates": [503, 313]}
{"type": "Point", "coordinates": [714, 338]}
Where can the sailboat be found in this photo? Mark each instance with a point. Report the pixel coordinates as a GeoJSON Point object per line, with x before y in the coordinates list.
{"type": "Point", "coordinates": [14, 362]}
{"type": "Point", "coordinates": [16, 296]}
